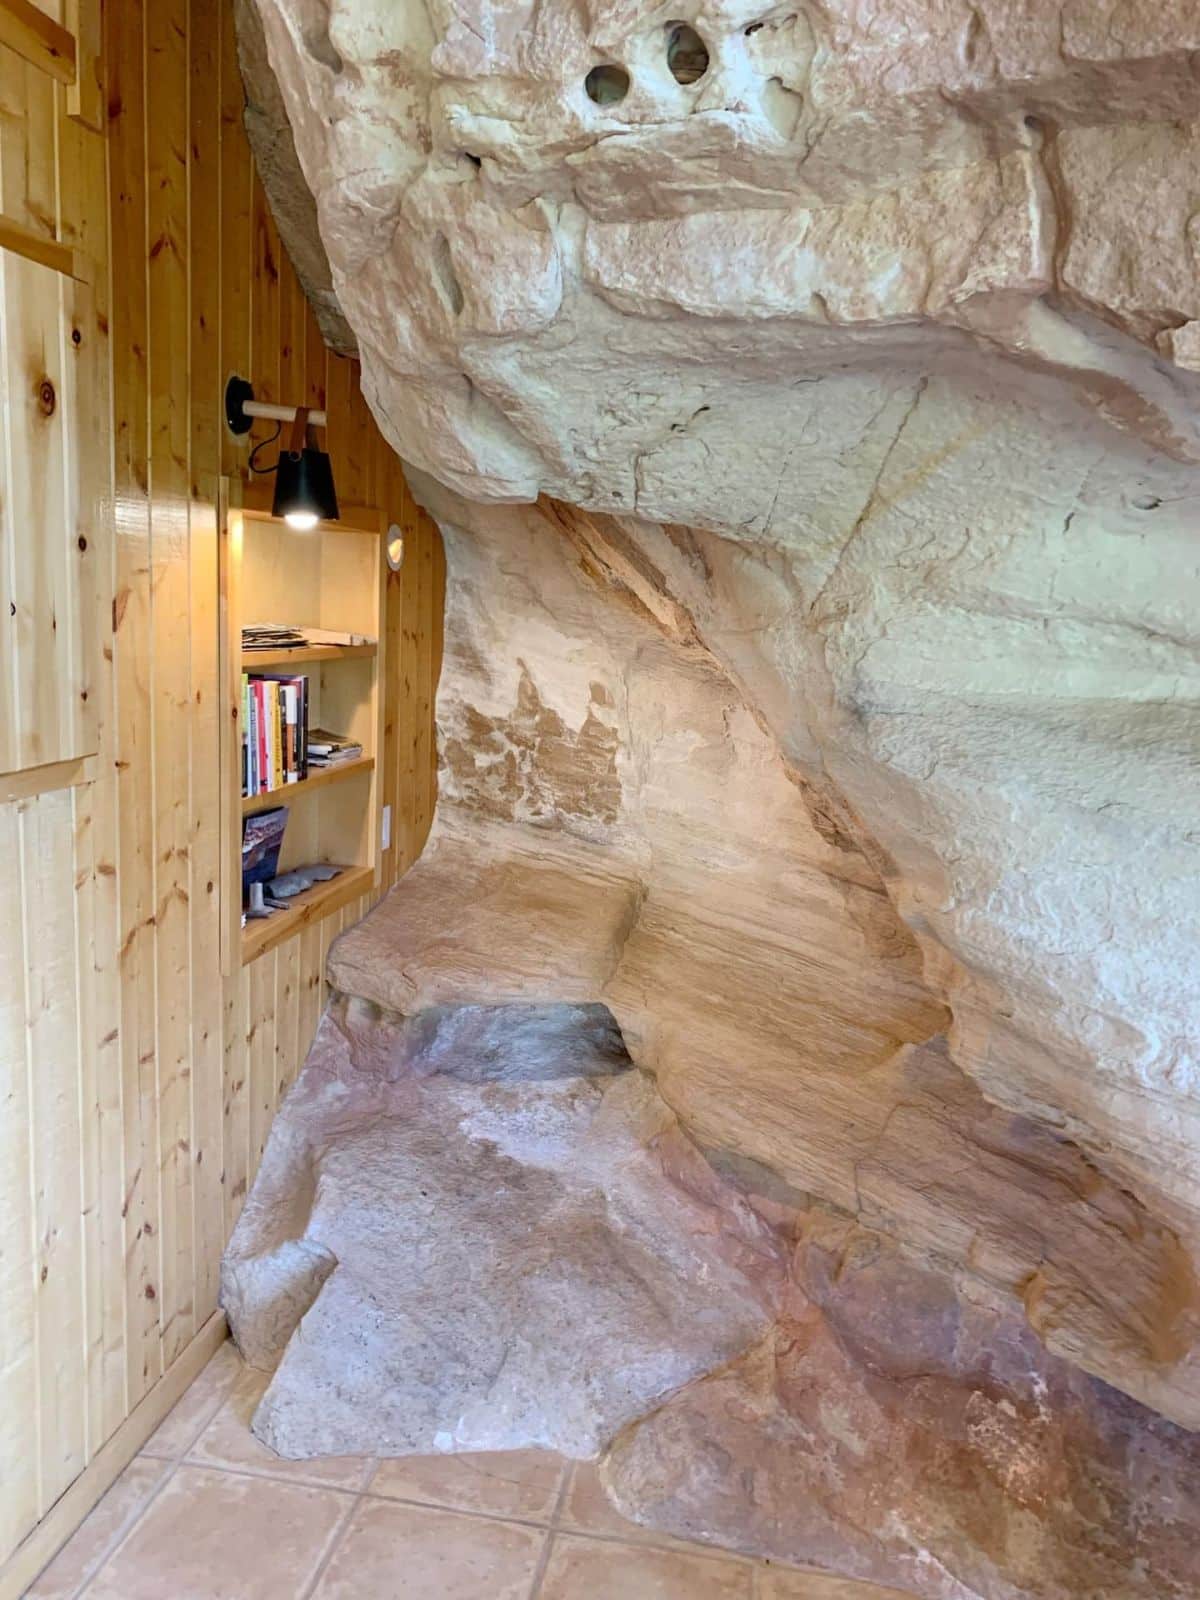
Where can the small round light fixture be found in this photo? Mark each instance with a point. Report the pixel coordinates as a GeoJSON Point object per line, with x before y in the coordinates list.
{"type": "Point", "coordinates": [395, 547]}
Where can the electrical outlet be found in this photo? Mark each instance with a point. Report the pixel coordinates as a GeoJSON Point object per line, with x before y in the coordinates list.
{"type": "Point", "coordinates": [387, 828]}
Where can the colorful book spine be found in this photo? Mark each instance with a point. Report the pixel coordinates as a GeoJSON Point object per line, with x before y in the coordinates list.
{"type": "Point", "coordinates": [246, 776]}
{"type": "Point", "coordinates": [277, 727]}
{"type": "Point", "coordinates": [291, 717]}
{"type": "Point", "coordinates": [275, 732]}
{"type": "Point", "coordinates": [264, 764]}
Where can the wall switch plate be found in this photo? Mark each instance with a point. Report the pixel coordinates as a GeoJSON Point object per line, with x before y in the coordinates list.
{"type": "Point", "coordinates": [387, 828]}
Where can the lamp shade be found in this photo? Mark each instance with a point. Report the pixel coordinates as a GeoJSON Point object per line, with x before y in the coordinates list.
{"type": "Point", "coordinates": [304, 492]}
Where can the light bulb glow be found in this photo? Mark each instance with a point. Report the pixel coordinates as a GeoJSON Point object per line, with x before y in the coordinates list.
{"type": "Point", "coordinates": [302, 521]}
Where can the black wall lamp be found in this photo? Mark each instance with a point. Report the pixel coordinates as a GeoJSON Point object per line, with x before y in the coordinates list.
{"type": "Point", "coordinates": [304, 491]}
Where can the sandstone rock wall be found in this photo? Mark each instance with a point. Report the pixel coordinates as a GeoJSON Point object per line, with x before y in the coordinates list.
{"type": "Point", "coordinates": [615, 826]}
{"type": "Point", "coordinates": [846, 742]}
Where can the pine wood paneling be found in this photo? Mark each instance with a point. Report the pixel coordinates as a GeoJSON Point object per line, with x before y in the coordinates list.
{"type": "Point", "coordinates": [30, 32]}
{"type": "Point", "coordinates": [44, 713]}
{"type": "Point", "coordinates": [137, 1085]}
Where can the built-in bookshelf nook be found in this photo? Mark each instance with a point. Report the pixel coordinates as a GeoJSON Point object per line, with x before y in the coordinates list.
{"type": "Point", "coordinates": [284, 697]}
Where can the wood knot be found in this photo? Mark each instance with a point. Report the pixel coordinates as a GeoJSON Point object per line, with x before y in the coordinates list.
{"type": "Point", "coordinates": [47, 398]}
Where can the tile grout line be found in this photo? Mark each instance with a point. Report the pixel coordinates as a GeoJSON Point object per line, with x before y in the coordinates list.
{"type": "Point", "coordinates": [560, 1500]}
{"type": "Point", "coordinates": [295, 1480]}
{"type": "Point", "coordinates": [339, 1533]}
{"type": "Point", "coordinates": [551, 1528]}
{"type": "Point", "coordinates": [637, 1538]}
{"type": "Point", "coordinates": [125, 1533]}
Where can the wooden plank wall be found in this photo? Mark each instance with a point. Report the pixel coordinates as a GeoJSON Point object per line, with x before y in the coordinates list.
{"type": "Point", "coordinates": [46, 714]}
{"type": "Point", "coordinates": [137, 1086]}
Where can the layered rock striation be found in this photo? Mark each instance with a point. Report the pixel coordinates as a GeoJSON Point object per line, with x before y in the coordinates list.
{"type": "Point", "coordinates": [832, 715]}
{"type": "Point", "coordinates": [615, 826]}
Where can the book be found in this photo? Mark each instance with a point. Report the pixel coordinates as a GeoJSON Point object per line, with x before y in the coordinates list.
{"type": "Point", "coordinates": [291, 713]}
{"type": "Point", "coordinates": [275, 731]}
{"type": "Point", "coordinates": [261, 838]}
{"type": "Point", "coordinates": [277, 764]}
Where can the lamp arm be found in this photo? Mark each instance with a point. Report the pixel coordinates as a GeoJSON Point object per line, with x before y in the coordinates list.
{"type": "Point", "coordinates": [273, 413]}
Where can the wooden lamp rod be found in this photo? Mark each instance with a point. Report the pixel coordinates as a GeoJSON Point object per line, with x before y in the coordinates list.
{"type": "Point", "coordinates": [273, 413]}
{"type": "Point", "coordinates": [241, 408]}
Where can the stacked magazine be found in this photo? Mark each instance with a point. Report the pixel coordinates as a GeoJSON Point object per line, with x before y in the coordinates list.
{"type": "Point", "coordinates": [271, 636]}
{"type": "Point", "coordinates": [277, 636]}
{"type": "Point", "coordinates": [327, 749]}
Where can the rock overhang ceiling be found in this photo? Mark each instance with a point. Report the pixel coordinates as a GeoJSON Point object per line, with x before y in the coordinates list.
{"type": "Point", "coordinates": [875, 345]}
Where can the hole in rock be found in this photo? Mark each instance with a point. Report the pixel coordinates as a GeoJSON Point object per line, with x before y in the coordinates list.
{"type": "Point", "coordinates": [1146, 502]}
{"type": "Point", "coordinates": [607, 85]}
{"type": "Point", "coordinates": [446, 276]}
{"type": "Point", "coordinates": [687, 53]}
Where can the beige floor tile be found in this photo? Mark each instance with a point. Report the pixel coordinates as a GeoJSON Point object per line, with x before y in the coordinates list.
{"type": "Point", "coordinates": [395, 1552]}
{"type": "Point", "coordinates": [586, 1506]}
{"type": "Point", "coordinates": [228, 1442]}
{"type": "Point", "coordinates": [218, 1536]}
{"type": "Point", "coordinates": [602, 1569]}
{"type": "Point", "coordinates": [99, 1532]}
{"type": "Point", "coordinates": [587, 1509]}
{"type": "Point", "coordinates": [182, 1425]}
{"type": "Point", "coordinates": [510, 1483]}
{"type": "Point", "coordinates": [783, 1583]}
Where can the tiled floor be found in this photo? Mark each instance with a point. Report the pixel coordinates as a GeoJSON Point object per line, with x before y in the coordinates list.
{"type": "Point", "coordinates": [208, 1513]}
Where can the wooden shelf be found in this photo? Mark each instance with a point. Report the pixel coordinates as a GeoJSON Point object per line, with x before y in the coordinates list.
{"type": "Point", "coordinates": [334, 578]}
{"type": "Point", "coordinates": [263, 933]}
{"type": "Point", "coordinates": [319, 779]}
{"type": "Point", "coordinates": [252, 660]}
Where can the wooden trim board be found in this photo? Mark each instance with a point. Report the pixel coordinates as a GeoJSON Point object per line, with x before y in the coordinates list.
{"type": "Point", "coordinates": [106, 1466]}
{"type": "Point", "coordinates": [38, 38]}
{"type": "Point", "coordinates": [85, 97]}
{"type": "Point", "coordinates": [32, 781]}
{"type": "Point", "coordinates": [36, 247]}
{"type": "Point", "coordinates": [229, 617]}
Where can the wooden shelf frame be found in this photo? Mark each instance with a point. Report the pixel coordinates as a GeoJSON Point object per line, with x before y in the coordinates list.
{"type": "Point", "coordinates": [327, 578]}
{"type": "Point", "coordinates": [264, 933]}
{"type": "Point", "coordinates": [319, 778]}
{"type": "Point", "coordinates": [252, 660]}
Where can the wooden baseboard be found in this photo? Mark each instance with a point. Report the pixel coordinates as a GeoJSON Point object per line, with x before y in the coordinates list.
{"type": "Point", "coordinates": [69, 1510]}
